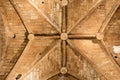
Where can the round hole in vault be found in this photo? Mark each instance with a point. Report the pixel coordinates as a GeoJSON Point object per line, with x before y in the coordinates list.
{"type": "Point", "coordinates": [115, 57]}
{"type": "Point", "coordinates": [43, 2]}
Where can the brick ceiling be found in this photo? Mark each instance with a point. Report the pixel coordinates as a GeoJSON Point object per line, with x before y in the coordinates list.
{"type": "Point", "coordinates": [60, 34]}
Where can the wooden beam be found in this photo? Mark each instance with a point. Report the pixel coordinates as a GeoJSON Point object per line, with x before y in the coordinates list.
{"type": "Point", "coordinates": [64, 19]}
{"type": "Point", "coordinates": [40, 56]}
{"type": "Point", "coordinates": [47, 50]}
{"type": "Point", "coordinates": [35, 63]}
{"type": "Point", "coordinates": [38, 37]}
{"type": "Point", "coordinates": [47, 37]}
{"type": "Point", "coordinates": [64, 53]}
{"type": "Point", "coordinates": [44, 15]}
{"type": "Point", "coordinates": [10, 75]}
{"type": "Point", "coordinates": [82, 53]}
{"type": "Point", "coordinates": [104, 47]}
{"type": "Point", "coordinates": [73, 36]}
{"type": "Point", "coordinates": [108, 18]}
{"type": "Point", "coordinates": [92, 9]}
{"type": "Point", "coordinates": [78, 52]}
{"type": "Point", "coordinates": [15, 8]}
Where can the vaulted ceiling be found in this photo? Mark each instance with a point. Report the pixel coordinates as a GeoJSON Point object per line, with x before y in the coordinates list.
{"type": "Point", "coordinates": [60, 39]}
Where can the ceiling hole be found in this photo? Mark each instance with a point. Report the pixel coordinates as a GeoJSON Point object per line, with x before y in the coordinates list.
{"type": "Point", "coordinates": [14, 36]}
{"type": "Point", "coordinates": [43, 2]}
{"type": "Point", "coordinates": [18, 76]}
{"type": "Point", "coordinates": [115, 57]}
{"type": "Point", "coordinates": [40, 53]}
